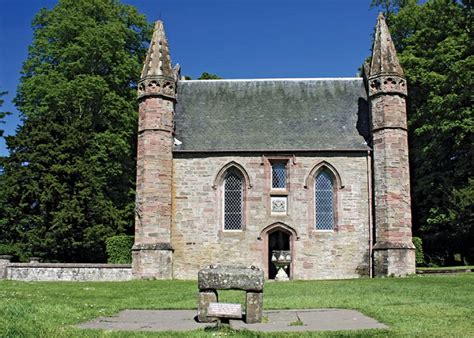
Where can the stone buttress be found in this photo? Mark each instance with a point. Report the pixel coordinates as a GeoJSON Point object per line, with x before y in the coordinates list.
{"type": "Point", "coordinates": [393, 251]}
{"type": "Point", "coordinates": [152, 251]}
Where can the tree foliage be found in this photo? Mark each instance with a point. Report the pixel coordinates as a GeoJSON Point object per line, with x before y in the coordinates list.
{"type": "Point", "coordinates": [2, 113]}
{"type": "Point", "coordinates": [435, 47]}
{"type": "Point", "coordinates": [208, 76]}
{"type": "Point", "coordinates": [68, 182]}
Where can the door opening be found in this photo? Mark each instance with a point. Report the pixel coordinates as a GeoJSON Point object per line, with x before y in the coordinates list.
{"type": "Point", "coordinates": [277, 240]}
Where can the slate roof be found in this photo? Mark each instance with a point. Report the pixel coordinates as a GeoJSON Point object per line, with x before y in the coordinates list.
{"type": "Point", "coordinates": [271, 115]}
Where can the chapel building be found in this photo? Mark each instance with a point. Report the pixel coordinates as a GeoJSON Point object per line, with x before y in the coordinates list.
{"type": "Point", "coordinates": [231, 171]}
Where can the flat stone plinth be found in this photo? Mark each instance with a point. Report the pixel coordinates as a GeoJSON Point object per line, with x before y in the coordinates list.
{"type": "Point", "coordinates": [230, 278]}
{"type": "Point", "coordinates": [275, 321]}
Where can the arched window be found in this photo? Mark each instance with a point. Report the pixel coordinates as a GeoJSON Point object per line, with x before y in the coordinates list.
{"type": "Point", "coordinates": [233, 191]}
{"type": "Point", "coordinates": [324, 201]}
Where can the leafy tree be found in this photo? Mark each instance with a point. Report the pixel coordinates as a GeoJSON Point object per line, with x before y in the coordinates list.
{"type": "Point", "coordinates": [209, 76]}
{"type": "Point", "coordinates": [435, 46]}
{"type": "Point", "coordinates": [68, 183]}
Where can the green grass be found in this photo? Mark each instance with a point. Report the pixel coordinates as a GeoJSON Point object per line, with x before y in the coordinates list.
{"type": "Point", "coordinates": [447, 268]}
{"type": "Point", "coordinates": [440, 306]}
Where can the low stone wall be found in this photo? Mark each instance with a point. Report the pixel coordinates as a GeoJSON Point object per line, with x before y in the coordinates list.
{"type": "Point", "coordinates": [35, 271]}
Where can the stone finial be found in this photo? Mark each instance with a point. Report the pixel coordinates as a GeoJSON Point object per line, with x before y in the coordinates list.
{"type": "Point", "coordinates": [385, 74]}
{"type": "Point", "coordinates": [158, 76]}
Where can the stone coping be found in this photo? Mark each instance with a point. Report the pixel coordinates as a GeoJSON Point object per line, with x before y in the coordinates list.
{"type": "Point", "coordinates": [70, 265]}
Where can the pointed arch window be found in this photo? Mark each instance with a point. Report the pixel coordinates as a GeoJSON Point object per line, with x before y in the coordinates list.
{"type": "Point", "coordinates": [324, 201]}
{"type": "Point", "coordinates": [233, 200]}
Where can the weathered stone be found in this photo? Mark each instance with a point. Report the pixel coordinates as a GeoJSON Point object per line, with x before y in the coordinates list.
{"type": "Point", "coordinates": [205, 298]}
{"type": "Point", "coordinates": [152, 255]}
{"type": "Point", "coordinates": [4, 262]}
{"type": "Point", "coordinates": [71, 272]}
{"type": "Point", "coordinates": [198, 239]}
{"type": "Point", "coordinates": [230, 277]}
{"type": "Point", "coordinates": [393, 251]}
{"type": "Point", "coordinates": [35, 260]}
{"type": "Point", "coordinates": [254, 307]}
{"type": "Point", "coordinates": [396, 262]}
{"type": "Point", "coordinates": [216, 278]}
{"type": "Point", "coordinates": [152, 264]}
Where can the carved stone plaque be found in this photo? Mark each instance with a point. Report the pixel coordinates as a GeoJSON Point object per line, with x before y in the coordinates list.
{"type": "Point", "coordinates": [224, 310]}
{"type": "Point", "coordinates": [279, 205]}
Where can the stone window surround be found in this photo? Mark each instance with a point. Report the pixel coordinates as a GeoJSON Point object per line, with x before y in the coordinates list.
{"type": "Point", "coordinates": [309, 185]}
{"type": "Point", "coordinates": [218, 185]}
{"type": "Point", "coordinates": [267, 162]}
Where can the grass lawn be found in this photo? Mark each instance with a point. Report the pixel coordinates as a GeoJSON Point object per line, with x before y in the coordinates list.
{"type": "Point", "coordinates": [439, 306]}
{"type": "Point", "coordinates": [447, 268]}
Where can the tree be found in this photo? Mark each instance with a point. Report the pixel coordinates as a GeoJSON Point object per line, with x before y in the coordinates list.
{"type": "Point", "coordinates": [2, 113]}
{"type": "Point", "coordinates": [69, 179]}
{"type": "Point", "coordinates": [436, 50]}
{"type": "Point", "coordinates": [209, 76]}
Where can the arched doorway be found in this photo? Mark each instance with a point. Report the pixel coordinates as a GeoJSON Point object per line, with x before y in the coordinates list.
{"type": "Point", "coordinates": [277, 237]}
{"type": "Point", "coordinates": [277, 240]}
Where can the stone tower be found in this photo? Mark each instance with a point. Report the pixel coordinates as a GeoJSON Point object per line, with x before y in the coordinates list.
{"type": "Point", "coordinates": [152, 252]}
{"type": "Point", "coordinates": [393, 251]}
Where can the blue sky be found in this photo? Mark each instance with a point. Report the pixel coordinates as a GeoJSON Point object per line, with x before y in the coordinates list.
{"type": "Point", "coordinates": [230, 38]}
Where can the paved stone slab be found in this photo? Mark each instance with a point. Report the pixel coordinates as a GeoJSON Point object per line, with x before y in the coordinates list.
{"type": "Point", "coordinates": [311, 320]}
{"type": "Point", "coordinates": [276, 321]}
{"type": "Point", "coordinates": [148, 320]}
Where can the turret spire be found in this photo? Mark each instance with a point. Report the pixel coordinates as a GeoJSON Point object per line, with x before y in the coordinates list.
{"type": "Point", "coordinates": [158, 60]}
{"type": "Point", "coordinates": [158, 77]}
{"type": "Point", "coordinates": [385, 75]}
{"type": "Point", "coordinates": [384, 55]}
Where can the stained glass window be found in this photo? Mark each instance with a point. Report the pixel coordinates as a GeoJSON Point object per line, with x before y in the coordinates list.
{"type": "Point", "coordinates": [324, 201]}
{"type": "Point", "coordinates": [233, 201]}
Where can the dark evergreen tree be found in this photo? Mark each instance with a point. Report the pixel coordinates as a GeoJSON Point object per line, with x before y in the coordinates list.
{"type": "Point", "coordinates": [68, 182]}
{"type": "Point", "coordinates": [435, 46]}
{"type": "Point", "coordinates": [2, 113]}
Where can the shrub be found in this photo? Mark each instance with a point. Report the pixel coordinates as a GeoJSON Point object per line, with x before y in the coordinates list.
{"type": "Point", "coordinates": [119, 249]}
{"type": "Point", "coordinates": [17, 250]}
{"type": "Point", "coordinates": [420, 257]}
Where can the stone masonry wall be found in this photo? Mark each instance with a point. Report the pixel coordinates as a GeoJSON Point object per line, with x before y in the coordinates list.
{"type": "Point", "coordinates": [68, 272]}
{"type": "Point", "coordinates": [197, 230]}
{"type": "Point", "coordinates": [154, 171]}
{"type": "Point", "coordinates": [391, 170]}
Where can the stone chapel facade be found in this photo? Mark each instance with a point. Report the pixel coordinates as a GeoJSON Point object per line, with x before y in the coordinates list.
{"type": "Point", "coordinates": [230, 170]}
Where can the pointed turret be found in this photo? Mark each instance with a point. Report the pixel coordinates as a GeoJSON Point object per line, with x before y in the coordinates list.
{"type": "Point", "coordinates": [393, 250]}
{"type": "Point", "coordinates": [384, 55]}
{"type": "Point", "coordinates": [158, 76]}
{"type": "Point", "coordinates": [152, 251]}
{"type": "Point", "coordinates": [158, 61]}
{"type": "Point", "coordinates": [385, 73]}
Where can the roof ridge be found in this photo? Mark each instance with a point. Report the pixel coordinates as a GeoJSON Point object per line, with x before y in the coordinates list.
{"type": "Point", "coordinates": [279, 79]}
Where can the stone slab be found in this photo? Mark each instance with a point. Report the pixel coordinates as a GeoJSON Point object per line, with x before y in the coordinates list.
{"type": "Point", "coordinates": [276, 321]}
{"type": "Point", "coordinates": [311, 320]}
{"type": "Point", "coordinates": [230, 277]}
{"type": "Point", "coordinates": [225, 310]}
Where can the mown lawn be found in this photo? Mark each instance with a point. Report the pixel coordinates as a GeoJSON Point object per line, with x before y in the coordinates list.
{"type": "Point", "coordinates": [441, 306]}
